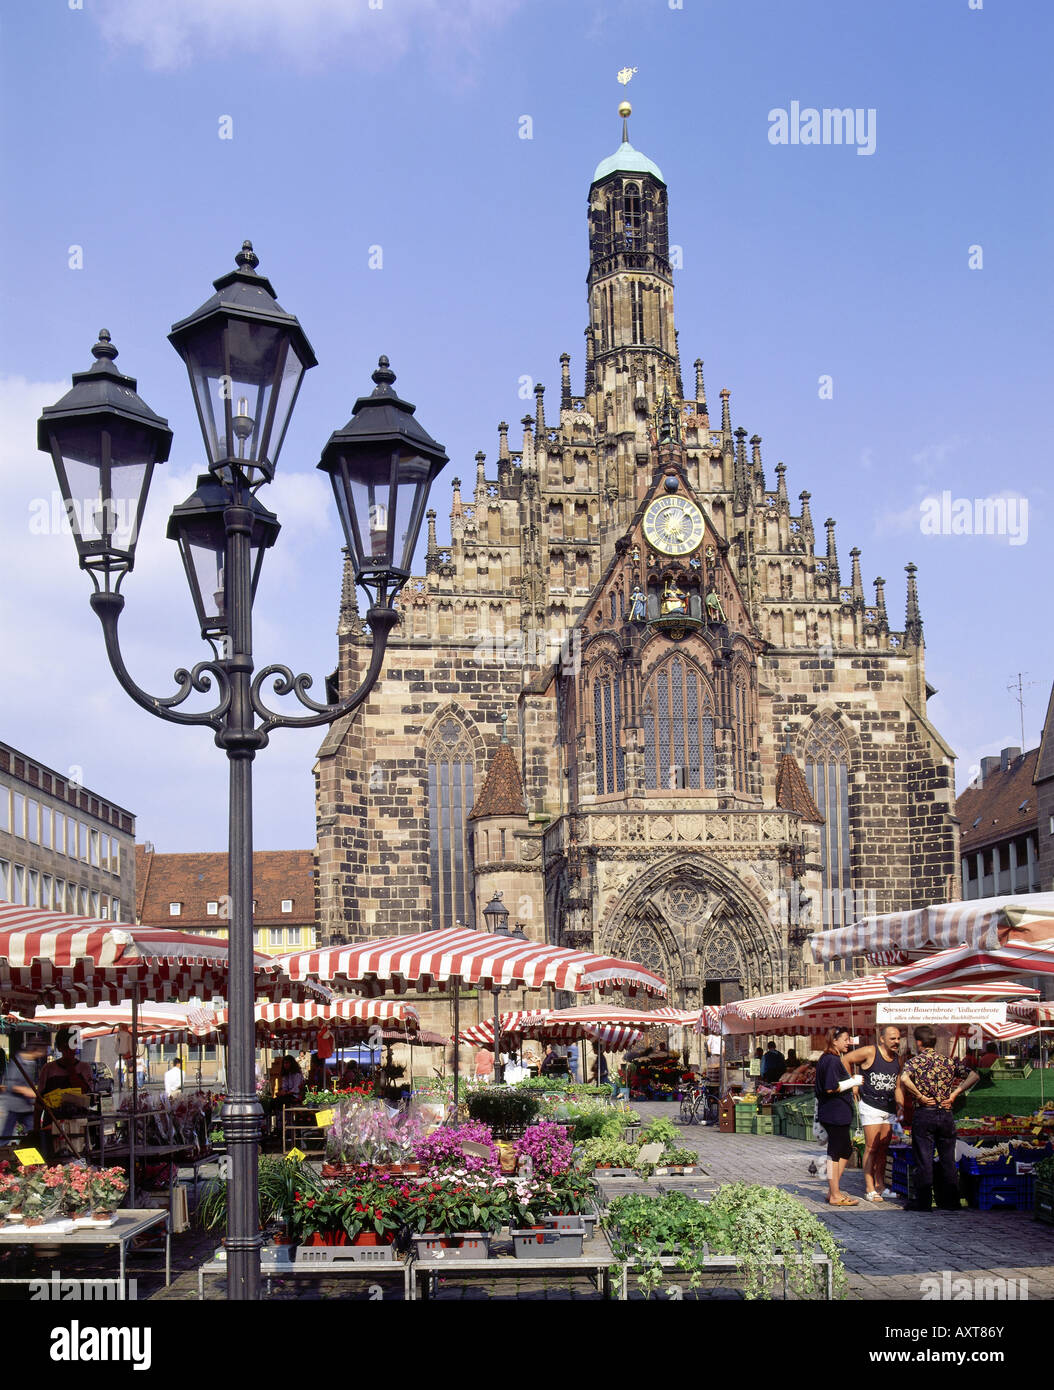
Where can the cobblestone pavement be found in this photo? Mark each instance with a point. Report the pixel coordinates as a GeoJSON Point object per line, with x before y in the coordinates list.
{"type": "Point", "coordinates": [889, 1252]}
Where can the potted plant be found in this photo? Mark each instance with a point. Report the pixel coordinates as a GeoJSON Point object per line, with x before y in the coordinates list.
{"type": "Point", "coordinates": [106, 1192]}
{"type": "Point", "coordinates": [547, 1147]}
{"type": "Point", "coordinates": [677, 1161]}
{"type": "Point", "coordinates": [456, 1216]}
{"type": "Point", "coordinates": [442, 1151]}
{"type": "Point", "coordinates": [503, 1108]}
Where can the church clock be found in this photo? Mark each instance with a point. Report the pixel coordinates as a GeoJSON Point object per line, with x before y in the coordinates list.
{"type": "Point", "coordinates": [673, 525]}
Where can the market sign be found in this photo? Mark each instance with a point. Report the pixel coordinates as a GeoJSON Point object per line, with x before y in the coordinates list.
{"type": "Point", "coordinates": [948, 1011]}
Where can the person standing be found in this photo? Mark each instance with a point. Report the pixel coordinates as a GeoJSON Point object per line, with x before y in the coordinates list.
{"type": "Point", "coordinates": [484, 1068]}
{"type": "Point", "coordinates": [879, 1065]}
{"type": "Point", "coordinates": [174, 1078]}
{"type": "Point", "coordinates": [17, 1095]}
{"type": "Point", "coordinates": [834, 1110]}
{"type": "Point", "coordinates": [935, 1083]}
{"type": "Point", "coordinates": [65, 1085]}
{"type": "Point", "coordinates": [773, 1065]}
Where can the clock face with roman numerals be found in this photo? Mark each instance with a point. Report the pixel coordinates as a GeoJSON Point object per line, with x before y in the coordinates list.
{"type": "Point", "coordinates": [673, 525]}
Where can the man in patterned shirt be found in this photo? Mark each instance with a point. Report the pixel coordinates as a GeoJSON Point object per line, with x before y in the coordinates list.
{"type": "Point", "coordinates": [935, 1083]}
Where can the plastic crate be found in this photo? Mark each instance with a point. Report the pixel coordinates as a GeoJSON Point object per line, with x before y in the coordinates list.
{"type": "Point", "coordinates": [764, 1124]}
{"type": "Point", "coordinates": [1043, 1202]}
{"type": "Point", "coordinates": [1003, 1190]}
{"type": "Point", "coordinates": [547, 1243]}
{"type": "Point", "coordinates": [473, 1246]}
{"type": "Point", "coordinates": [744, 1122]}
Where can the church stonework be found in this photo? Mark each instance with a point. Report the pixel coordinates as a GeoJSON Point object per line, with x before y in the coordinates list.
{"type": "Point", "coordinates": [632, 692]}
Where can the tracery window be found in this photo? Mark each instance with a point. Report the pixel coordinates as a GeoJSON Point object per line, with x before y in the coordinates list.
{"type": "Point", "coordinates": [450, 798]}
{"type": "Point", "coordinates": [741, 729]}
{"type": "Point", "coordinates": [827, 773]}
{"type": "Point", "coordinates": [678, 728]}
{"type": "Point", "coordinates": [607, 733]}
{"type": "Point", "coordinates": [631, 212]}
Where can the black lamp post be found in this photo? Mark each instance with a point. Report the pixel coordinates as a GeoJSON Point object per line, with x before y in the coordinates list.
{"type": "Point", "coordinates": [246, 358]}
{"type": "Point", "coordinates": [496, 921]}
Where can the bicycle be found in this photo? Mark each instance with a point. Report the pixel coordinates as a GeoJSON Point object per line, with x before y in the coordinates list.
{"type": "Point", "coordinates": [699, 1105]}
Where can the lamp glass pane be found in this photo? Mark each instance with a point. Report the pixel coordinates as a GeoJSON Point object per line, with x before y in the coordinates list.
{"type": "Point", "coordinates": [207, 565]}
{"type": "Point", "coordinates": [413, 475]}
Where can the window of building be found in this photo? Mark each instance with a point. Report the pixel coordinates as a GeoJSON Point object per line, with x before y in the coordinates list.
{"type": "Point", "coordinates": [33, 888]}
{"type": "Point", "coordinates": [5, 809]}
{"type": "Point", "coordinates": [18, 804]}
{"type": "Point", "coordinates": [632, 216]}
{"type": "Point", "coordinates": [292, 936]}
{"type": "Point", "coordinates": [678, 728]}
{"type": "Point", "coordinates": [93, 849]}
{"type": "Point", "coordinates": [636, 291]}
{"type": "Point", "coordinates": [45, 826]}
{"type": "Point", "coordinates": [115, 909]}
{"type": "Point", "coordinates": [60, 832]}
{"type": "Point", "coordinates": [607, 733]}
{"type": "Point", "coordinates": [18, 884]}
{"type": "Point", "coordinates": [60, 895]}
{"type": "Point", "coordinates": [741, 729]}
{"type": "Point", "coordinates": [827, 773]}
{"type": "Point", "coordinates": [287, 904]}
{"type": "Point", "coordinates": [85, 902]}
{"type": "Point", "coordinates": [96, 904]}
{"type": "Point", "coordinates": [83, 850]}
{"type": "Point", "coordinates": [174, 909]}
{"type": "Point", "coordinates": [450, 796]}
{"type": "Point", "coordinates": [104, 851]}
{"type": "Point", "coordinates": [212, 909]}
{"type": "Point", "coordinates": [47, 889]}
{"type": "Point", "coordinates": [5, 881]}
{"type": "Point", "coordinates": [115, 856]}
{"type": "Point", "coordinates": [33, 821]}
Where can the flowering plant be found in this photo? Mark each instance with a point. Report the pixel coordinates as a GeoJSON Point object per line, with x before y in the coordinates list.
{"type": "Point", "coordinates": [442, 1150]}
{"type": "Point", "coordinates": [107, 1188]}
{"type": "Point", "coordinates": [548, 1148]}
{"type": "Point", "coordinates": [78, 1190]}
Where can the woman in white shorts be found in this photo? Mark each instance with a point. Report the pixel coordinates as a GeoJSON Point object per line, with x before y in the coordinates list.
{"type": "Point", "coordinates": [879, 1065]}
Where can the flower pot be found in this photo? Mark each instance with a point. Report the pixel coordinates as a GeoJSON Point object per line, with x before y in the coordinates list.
{"type": "Point", "coordinates": [367, 1238]}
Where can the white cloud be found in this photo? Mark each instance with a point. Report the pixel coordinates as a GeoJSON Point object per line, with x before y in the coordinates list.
{"type": "Point", "coordinates": [310, 33]}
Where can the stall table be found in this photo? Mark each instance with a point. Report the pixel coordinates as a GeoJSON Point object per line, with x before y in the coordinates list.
{"type": "Point", "coordinates": [596, 1260]}
{"type": "Point", "coordinates": [126, 1228]}
{"type": "Point", "coordinates": [272, 1269]}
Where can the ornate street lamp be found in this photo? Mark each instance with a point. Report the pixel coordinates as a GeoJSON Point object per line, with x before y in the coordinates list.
{"type": "Point", "coordinates": [246, 358]}
{"type": "Point", "coordinates": [496, 921]}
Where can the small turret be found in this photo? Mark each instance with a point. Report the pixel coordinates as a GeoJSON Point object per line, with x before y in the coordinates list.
{"type": "Point", "coordinates": [755, 461]}
{"type": "Point", "coordinates": [481, 472]}
{"type": "Point", "coordinates": [741, 481]}
{"type": "Point", "coordinates": [807, 531]}
{"type": "Point", "coordinates": [832, 553]}
{"type": "Point", "coordinates": [432, 549]}
{"type": "Point", "coordinates": [590, 381]}
{"type": "Point", "coordinates": [539, 412]}
{"type": "Point", "coordinates": [700, 388]}
{"type": "Point", "coordinates": [565, 381]}
{"type": "Point", "coordinates": [913, 623]}
{"type": "Point", "coordinates": [781, 484]}
{"type": "Point", "coordinates": [857, 582]}
{"type": "Point", "coordinates": [726, 415]}
{"type": "Point", "coordinates": [880, 604]}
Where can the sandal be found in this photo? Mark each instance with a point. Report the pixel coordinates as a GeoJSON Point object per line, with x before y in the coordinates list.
{"type": "Point", "coordinates": [843, 1202]}
{"type": "Point", "coordinates": [873, 1197]}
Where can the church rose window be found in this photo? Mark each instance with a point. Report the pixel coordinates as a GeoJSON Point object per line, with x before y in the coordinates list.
{"type": "Point", "coordinates": [450, 798]}
{"type": "Point", "coordinates": [607, 734]}
{"type": "Point", "coordinates": [678, 729]}
{"type": "Point", "coordinates": [827, 773]}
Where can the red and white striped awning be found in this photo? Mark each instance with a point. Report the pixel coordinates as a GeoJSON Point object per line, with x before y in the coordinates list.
{"type": "Point", "coordinates": [55, 958]}
{"type": "Point", "coordinates": [437, 959]}
{"type": "Point", "coordinates": [897, 937]}
{"type": "Point", "coordinates": [297, 1015]}
{"type": "Point", "coordinates": [975, 964]}
{"type": "Point", "coordinates": [851, 1002]}
{"type": "Point", "coordinates": [539, 1024]}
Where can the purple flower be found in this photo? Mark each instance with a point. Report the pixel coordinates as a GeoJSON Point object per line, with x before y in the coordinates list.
{"type": "Point", "coordinates": [548, 1148]}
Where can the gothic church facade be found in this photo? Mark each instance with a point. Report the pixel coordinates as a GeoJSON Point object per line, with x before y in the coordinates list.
{"type": "Point", "coordinates": [631, 692]}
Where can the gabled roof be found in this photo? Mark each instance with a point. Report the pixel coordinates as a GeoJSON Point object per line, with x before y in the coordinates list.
{"type": "Point", "coordinates": [1045, 763]}
{"type": "Point", "coordinates": [1004, 806]}
{"type": "Point", "coordinates": [195, 880]}
{"type": "Point", "coordinates": [792, 791]}
{"type": "Point", "coordinates": [502, 793]}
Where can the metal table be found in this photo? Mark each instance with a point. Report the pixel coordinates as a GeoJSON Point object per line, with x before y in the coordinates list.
{"type": "Point", "coordinates": [596, 1260]}
{"type": "Point", "coordinates": [335, 1269]}
{"type": "Point", "coordinates": [128, 1225]}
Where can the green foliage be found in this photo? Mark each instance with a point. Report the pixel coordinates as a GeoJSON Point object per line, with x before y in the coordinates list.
{"type": "Point", "coordinates": [677, 1157]}
{"type": "Point", "coordinates": [751, 1222]}
{"type": "Point", "coordinates": [660, 1131]}
{"type": "Point", "coordinates": [586, 1119]}
{"type": "Point", "coordinates": [609, 1150]}
{"type": "Point", "coordinates": [278, 1182]}
{"type": "Point", "coordinates": [503, 1107]}
{"type": "Point", "coordinates": [1044, 1170]}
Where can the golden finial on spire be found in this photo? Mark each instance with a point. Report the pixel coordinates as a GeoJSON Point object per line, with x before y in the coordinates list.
{"type": "Point", "coordinates": [625, 111]}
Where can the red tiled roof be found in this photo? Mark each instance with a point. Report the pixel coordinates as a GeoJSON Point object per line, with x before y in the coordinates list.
{"type": "Point", "coordinates": [502, 793]}
{"type": "Point", "coordinates": [1003, 807]}
{"type": "Point", "coordinates": [792, 791]}
{"type": "Point", "coordinates": [193, 880]}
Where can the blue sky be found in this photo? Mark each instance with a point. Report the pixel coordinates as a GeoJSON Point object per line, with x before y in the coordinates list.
{"type": "Point", "coordinates": [399, 127]}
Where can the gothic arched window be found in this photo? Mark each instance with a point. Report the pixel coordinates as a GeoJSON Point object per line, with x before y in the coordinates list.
{"type": "Point", "coordinates": [678, 728]}
{"type": "Point", "coordinates": [827, 773]}
{"type": "Point", "coordinates": [632, 217]}
{"type": "Point", "coordinates": [607, 733]}
{"type": "Point", "coordinates": [741, 728]}
{"type": "Point", "coordinates": [450, 798]}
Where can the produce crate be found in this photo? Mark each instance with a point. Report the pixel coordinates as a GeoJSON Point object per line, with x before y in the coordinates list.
{"type": "Point", "coordinates": [473, 1245]}
{"type": "Point", "coordinates": [900, 1179]}
{"type": "Point", "coordinates": [764, 1124]}
{"type": "Point", "coordinates": [1043, 1202]}
{"type": "Point", "coordinates": [339, 1254]}
{"type": "Point", "coordinates": [1002, 1188]}
{"type": "Point", "coordinates": [547, 1244]}
{"type": "Point", "coordinates": [745, 1118]}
